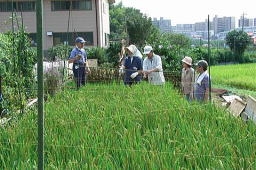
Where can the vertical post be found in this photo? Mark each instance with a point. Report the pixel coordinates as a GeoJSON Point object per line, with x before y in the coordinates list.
{"type": "Point", "coordinates": [243, 23]}
{"type": "Point", "coordinates": [97, 24]}
{"type": "Point", "coordinates": [67, 44]}
{"type": "Point", "coordinates": [1, 96]}
{"type": "Point", "coordinates": [39, 21]}
{"type": "Point", "coordinates": [209, 60]}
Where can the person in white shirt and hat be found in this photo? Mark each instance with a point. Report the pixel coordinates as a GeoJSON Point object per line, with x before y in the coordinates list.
{"type": "Point", "coordinates": [187, 78]}
{"type": "Point", "coordinates": [152, 67]}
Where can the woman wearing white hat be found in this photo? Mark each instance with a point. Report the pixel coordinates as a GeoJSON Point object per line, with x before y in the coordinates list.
{"type": "Point", "coordinates": [132, 66]}
{"type": "Point", "coordinates": [187, 78]}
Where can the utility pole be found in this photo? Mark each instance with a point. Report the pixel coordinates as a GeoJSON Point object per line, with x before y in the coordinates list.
{"type": "Point", "coordinates": [40, 91]}
{"type": "Point", "coordinates": [209, 60]}
{"type": "Point", "coordinates": [243, 23]}
{"type": "Point", "coordinates": [1, 96]}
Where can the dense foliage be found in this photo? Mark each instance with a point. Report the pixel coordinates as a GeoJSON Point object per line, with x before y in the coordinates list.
{"type": "Point", "coordinates": [17, 59]}
{"type": "Point", "coordinates": [238, 41]}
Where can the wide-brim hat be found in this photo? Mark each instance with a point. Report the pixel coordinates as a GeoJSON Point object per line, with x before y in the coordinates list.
{"type": "Point", "coordinates": [131, 48]}
{"type": "Point", "coordinates": [187, 60]}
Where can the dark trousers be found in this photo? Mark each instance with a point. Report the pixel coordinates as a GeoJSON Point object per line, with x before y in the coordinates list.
{"type": "Point", "coordinates": [79, 75]}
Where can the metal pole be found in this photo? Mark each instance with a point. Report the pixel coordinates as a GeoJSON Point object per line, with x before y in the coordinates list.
{"type": "Point", "coordinates": [243, 23]}
{"type": "Point", "coordinates": [39, 21]}
{"type": "Point", "coordinates": [1, 96]}
{"type": "Point", "coordinates": [209, 60]}
{"type": "Point", "coordinates": [67, 44]}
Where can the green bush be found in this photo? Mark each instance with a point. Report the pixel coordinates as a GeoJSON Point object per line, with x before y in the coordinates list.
{"type": "Point", "coordinates": [59, 52]}
{"type": "Point", "coordinates": [17, 59]}
{"type": "Point", "coordinates": [113, 53]}
{"type": "Point", "coordinates": [97, 53]}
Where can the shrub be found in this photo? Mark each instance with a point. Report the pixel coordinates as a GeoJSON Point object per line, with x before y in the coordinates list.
{"type": "Point", "coordinates": [59, 52]}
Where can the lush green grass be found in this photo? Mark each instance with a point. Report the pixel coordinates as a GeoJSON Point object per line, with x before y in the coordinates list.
{"type": "Point", "coordinates": [240, 76]}
{"type": "Point", "coordinates": [143, 127]}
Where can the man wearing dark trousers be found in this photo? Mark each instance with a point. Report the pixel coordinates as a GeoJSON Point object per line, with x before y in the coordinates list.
{"type": "Point", "coordinates": [78, 57]}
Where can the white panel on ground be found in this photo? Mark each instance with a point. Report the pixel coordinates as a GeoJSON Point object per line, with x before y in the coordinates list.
{"type": "Point", "coordinates": [236, 107]}
{"type": "Point", "coordinates": [251, 108]}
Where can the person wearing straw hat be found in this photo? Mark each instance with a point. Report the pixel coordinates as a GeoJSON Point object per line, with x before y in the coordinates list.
{"type": "Point", "coordinates": [78, 57]}
{"type": "Point", "coordinates": [201, 92]}
{"type": "Point", "coordinates": [132, 66]}
{"type": "Point", "coordinates": [187, 78]}
{"type": "Point", "coordinates": [152, 67]}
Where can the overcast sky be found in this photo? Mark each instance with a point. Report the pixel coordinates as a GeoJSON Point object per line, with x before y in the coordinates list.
{"type": "Point", "coordinates": [191, 11]}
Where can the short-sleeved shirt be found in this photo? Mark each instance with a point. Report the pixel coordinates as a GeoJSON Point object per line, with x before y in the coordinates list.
{"type": "Point", "coordinates": [77, 51]}
{"type": "Point", "coordinates": [199, 91]}
{"type": "Point", "coordinates": [155, 78]}
{"type": "Point", "coordinates": [132, 66]}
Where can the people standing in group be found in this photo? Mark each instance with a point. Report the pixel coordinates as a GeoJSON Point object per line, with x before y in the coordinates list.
{"type": "Point", "coordinates": [152, 67]}
{"type": "Point", "coordinates": [187, 78]}
{"type": "Point", "coordinates": [201, 91]}
{"type": "Point", "coordinates": [132, 66]}
{"type": "Point", "coordinates": [78, 57]}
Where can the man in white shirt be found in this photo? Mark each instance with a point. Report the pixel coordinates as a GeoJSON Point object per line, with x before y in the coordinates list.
{"type": "Point", "coordinates": [152, 67]}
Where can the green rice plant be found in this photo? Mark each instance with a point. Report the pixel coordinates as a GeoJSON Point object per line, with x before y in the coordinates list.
{"type": "Point", "coordinates": [240, 75]}
{"type": "Point", "coordinates": [142, 127]}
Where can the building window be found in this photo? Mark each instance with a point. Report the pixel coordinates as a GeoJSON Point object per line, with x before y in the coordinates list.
{"type": "Point", "coordinates": [60, 5]}
{"type": "Point", "coordinates": [69, 38]}
{"type": "Point", "coordinates": [7, 6]}
{"type": "Point", "coordinates": [24, 6]}
{"type": "Point", "coordinates": [75, 5]}
{"type": "Point", "coordinates": [82, 5]}
{"type": "Point", "coordinates": [32, 38]}
{"type": "Point", "coordinates": [105, 8]}
{"type": "Point", "coordinates": [106, 39]}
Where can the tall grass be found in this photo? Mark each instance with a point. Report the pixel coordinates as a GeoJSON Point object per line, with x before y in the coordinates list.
{"type": "Point", "coordinates": [117, 127]}
{"type": "Point", "coordinates": [240, 76]}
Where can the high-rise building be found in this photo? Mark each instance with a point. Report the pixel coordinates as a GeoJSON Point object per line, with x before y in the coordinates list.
{"type": "Point", "coordinates": [163, 24]}
{"type": "Point", "coordinates": [246, 22]}
{"type": "Point", "coordinates": [223, 24]}
{"type": "Point", "coordinates": [254, 22]}
{"type": "Point", "coordinates": [201, 26]}
{"type": "Point", "coordinates": [185, 28]}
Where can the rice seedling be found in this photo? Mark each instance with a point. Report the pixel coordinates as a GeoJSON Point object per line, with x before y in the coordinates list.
{"type": "Point", "coordinates": [116, 127]}
{"type": "Point", "coordinates": [239, 76]}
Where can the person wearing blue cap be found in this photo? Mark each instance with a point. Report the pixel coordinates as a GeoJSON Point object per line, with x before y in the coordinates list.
{"type": "Point", "coordinates": [78, 57]}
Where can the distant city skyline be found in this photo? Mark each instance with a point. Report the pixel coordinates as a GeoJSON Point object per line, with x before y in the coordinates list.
{"type": "Point", "coordinates": [190, 12]}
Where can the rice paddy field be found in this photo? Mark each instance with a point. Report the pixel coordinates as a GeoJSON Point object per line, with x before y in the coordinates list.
{"type": "Point", "coordinates": [117, 127]}
{"type": "Point", "coordinates": [240, 76]}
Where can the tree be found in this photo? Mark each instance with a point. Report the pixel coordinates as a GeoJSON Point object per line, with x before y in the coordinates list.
{"type": "Point", "coordinates": [117, 22]}
{"type": "Point", "coordinates": [238, 41]}
{"type": "Point", "coordinates": [139, 26]}
{"type": "Point", "coordinates": [131, 24]}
